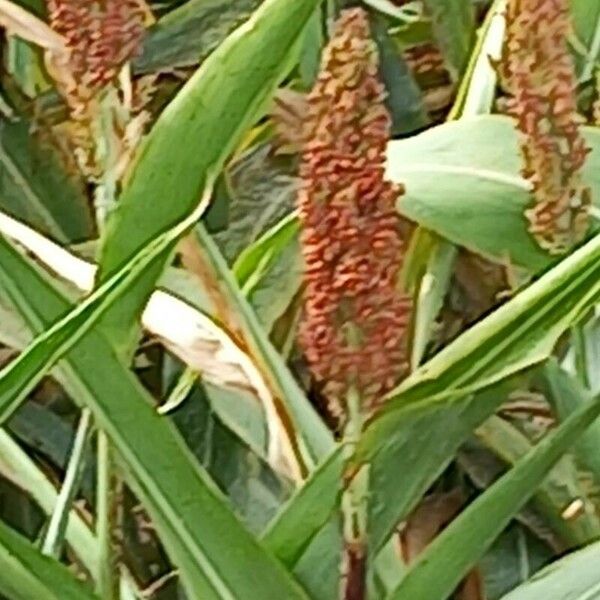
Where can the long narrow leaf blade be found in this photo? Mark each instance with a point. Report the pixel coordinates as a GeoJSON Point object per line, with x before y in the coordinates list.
{"type": "Point", "coordinates": [575, 577]}
{"type": "Point", "coordinates": [449, 557]}
{"type": "Point", "coordinates": [191, 140]}
{"type": "Point", "coordinates": [190, 514]}
{"type": "Point", "coordinates": [21, 471]}
{"type": "Point", "coordinates": [25, 573]}
{"type": "Point", "coordinates": [313, 432]}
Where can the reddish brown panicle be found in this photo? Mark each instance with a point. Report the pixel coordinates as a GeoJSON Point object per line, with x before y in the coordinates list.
{"type": "Point", "coordinates": [101, 36]}
{"type": "Point", "coordinates": [355, 322]}
{"type": "Point", "coordinates": [539, 72]}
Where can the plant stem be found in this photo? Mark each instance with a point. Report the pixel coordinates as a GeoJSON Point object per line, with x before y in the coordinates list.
{"type": "Point", "coordinates": [54, 538]}
{"type": "Point", "coordinates": [107, 157]}
{"type": "Point", "coordinates": [105, 518]}
{"type": "Point", "coordinates": [354, 507]}
{"type": "Point", "coordinates": [580, 352]}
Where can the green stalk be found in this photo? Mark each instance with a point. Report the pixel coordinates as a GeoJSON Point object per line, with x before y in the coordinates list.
{"type": "Point", "coordinates": [110, 116]}
{"type": "Point", "coordinates": [55, 536]}
{"type": "Point", "coordinates": [108, 585]}
{"type": "Point", "coordinates": [354, 506]}
{"type": "Point", "coordinates": [107, 155]}
{"type": "Point", "coordinates": [580, 352]}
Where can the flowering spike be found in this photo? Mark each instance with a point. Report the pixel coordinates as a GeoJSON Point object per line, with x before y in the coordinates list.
{"type": "Point", "coordinates": [101, 36]}
{"type": "Point", "coordinates": [539, 72]}
{"type": "Point", "coordinates": [355, 322]}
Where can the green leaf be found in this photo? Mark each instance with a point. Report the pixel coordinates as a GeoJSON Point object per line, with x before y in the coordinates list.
{"type": "Point", "coordinates": [439, 569]}
{"type": "Point", "coordinates": [422, 447]}
{"type": "Point", "coordinates": [21, 376]}
{"type": "Point", "coordinates": [27, 574]}
{"type": "Point", "coordinates": [310, 54]}
{"type": "Point", "coordinates": [190, 514]}
{"type": "Point", "coordinates": [432, 289]}
{"type": "Point", "coordinates": [187, 35]}
{"type": "Point", "coordinates": [566, 395]}
{"type": "Point", "coordinates": [193, 138]}
{"type": "Point", "coordinates": [256, 257]}
{"type": "Point", "coordinates": [269, 271]}
{"type": "Point", "coordinates": [454, 29]}
{"type": "Point", "coordinates": [19, 469]}
{"type": "Point", "coordinates": [262, 190]}
{"type": "Point", "coordinates": [586, 24]}
{"type": "Point", "coordinates": [463, 182]}
{"type": "Point", "coordinates": [404, 100]}
{"type": "Point", "coordinates": [308, 509]}
{"type": "Point", "coordinates": [555, 494]}
{"type": "Point", "coordinates": [26, 67]}
{"type": "Point", "coordinates": [575, 577]}
{"type": "Point", "coordinates": [279, 282]}
{"type": "Point", "coordinates": [35, 188]}
{"type": "Point", "coordinates": [518, 335]}
{"type": "Point", "coordinates": [476, 93]}
{"type": "Point", "coordinates": [511, 560]}
{"type": "Point", "coordinates": [521, 333]}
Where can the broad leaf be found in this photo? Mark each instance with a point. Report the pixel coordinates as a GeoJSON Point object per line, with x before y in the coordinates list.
{"type": "Point", "coordinates": [463, 182]}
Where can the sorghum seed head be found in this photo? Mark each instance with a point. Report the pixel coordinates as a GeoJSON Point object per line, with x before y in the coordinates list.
{"type": "Point", "coordinates": [539, 73]}
{"type": "Point", "coordinates": [101, 36]}
{"type": "Point", "coordinates": [355, 322]}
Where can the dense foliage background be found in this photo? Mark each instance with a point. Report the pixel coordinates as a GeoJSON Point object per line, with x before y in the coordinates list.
{"type": "Point", "coordinates": [166, 432]}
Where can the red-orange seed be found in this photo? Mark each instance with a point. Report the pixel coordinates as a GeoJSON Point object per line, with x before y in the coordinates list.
{"type": "Point", "coordinates": [539, 72]}
{"type": "Point", "coordinates": [355, 318]}
{"type": "Point", "coordinates": [101, 35]}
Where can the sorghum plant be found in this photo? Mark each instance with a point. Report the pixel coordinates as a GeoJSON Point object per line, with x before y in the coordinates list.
{"type": "Point", "coordinates": [539, 71]}
{"type": "Point", "coordinates": [101, 37]}
{"type": "Point", "coordinates": [354, 330]}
